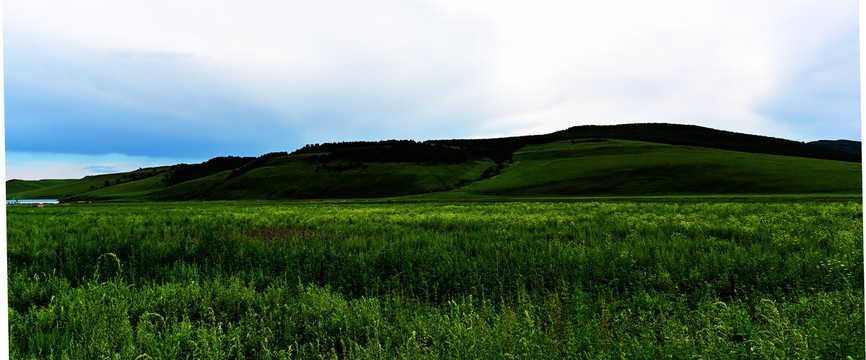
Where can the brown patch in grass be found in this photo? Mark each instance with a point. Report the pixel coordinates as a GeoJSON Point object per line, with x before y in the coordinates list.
{"type": "Point", "coordinates": [272, 235]}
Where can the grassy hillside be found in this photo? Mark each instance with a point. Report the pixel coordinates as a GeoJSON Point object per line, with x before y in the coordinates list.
{"type": "Point", "coordinates": [623, 167]}
{"type": "Point", "coordinates": [19, 186]}
{"type": "Point", "coordinates": [297, 176]}
{"type": "Point", "coordinates": [500, 149]}
{"type": "Point", "coordinates": [620, 160]}
{"type": "Point", "coordinates": [133, 185]}
{"type": "Point", "coordinates": [692, 135]}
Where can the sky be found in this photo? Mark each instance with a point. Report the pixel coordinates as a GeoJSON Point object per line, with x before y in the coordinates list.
{"type": "Point", "coordinates": [107, 86]}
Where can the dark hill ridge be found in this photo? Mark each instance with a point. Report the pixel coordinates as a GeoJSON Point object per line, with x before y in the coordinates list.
{"type": "Point", "coordinates": [17, 186]}
{"type": "Point", "coordinates": [634, 159]}
{"type": "Point", "coordinates": [693, 135]}
{"type": "Point", "coordinates": [854, 147]}
{"type": "Point", "coordinates": [673, 134]}
{"type": "Point", "coordinates": [501, 149]}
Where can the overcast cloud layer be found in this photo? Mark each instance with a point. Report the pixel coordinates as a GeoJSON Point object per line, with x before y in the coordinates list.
{"type": "Point", "coordinates": [186, 81]}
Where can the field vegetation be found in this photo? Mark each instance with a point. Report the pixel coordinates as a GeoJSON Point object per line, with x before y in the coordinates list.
{"type": "Point", "coordinates": [517, 280]}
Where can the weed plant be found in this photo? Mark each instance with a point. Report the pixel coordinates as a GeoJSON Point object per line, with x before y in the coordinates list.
{"type": "Point", "coordinates": [437, 280]}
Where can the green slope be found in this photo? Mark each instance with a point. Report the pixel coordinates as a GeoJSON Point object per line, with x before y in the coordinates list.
{"type": "Point", "coordinates": [692, 135]}
{"type": "Point", "coordinates": [16, 186]}
{"type": "Point", "coordinates": [620, 160]}
{"type": "Point", "coordinates": [133, 185]}
{"type": "Point", "coordinates": [501, 149]}
{"type": "Point", "coordinates": [298, 176]}
{"type": "Point", "coordinates": [623, 167]}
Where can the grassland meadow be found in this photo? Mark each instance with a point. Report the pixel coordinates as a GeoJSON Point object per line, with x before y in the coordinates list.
{"type": "Point", "coordinates": [437, 280]}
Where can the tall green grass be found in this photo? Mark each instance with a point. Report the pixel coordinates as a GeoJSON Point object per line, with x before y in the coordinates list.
{"type": "Point", "coordinates": [437, 280]}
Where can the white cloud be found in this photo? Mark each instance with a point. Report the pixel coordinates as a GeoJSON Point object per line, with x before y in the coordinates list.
{"type": "Point", "coordinates": [342, 70]}
{"type": "Point", "coordinates": [34, 166]}
{"type": "Point", "coordinates": [710, 63]}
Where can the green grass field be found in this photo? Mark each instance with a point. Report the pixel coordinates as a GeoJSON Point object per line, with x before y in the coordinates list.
{"type": "Point", "coordinates": [522, 280]}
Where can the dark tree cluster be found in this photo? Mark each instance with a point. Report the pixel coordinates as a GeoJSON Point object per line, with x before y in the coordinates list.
{"type": "Point", "coordinates": [185, 172]}
{"type": "Point", "coordinates": [133, 176]}
{"type": "Point", "coordinates": [140, 174]}
{"type": "Point", "coordinates": [258, 162]}
{"type": "Point", "coordinates": [387, 151]}
{"type": "Point", "coordinates": [492, 171]}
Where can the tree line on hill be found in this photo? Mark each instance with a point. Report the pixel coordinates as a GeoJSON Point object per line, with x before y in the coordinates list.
{"type": "Point", "coordinates": [849, 146]}
{"type": "Point", "coordinates": [257, 162]}
{"type": "Point", "coordinates": [185, 172]}
{"type": "Point", "coordinates": [238, 164]}
{"type": "Point", "coordinates": [338, 156]}
{"type": "Point", "coordinates": [428, 152]}
{"type": "Point", "coordinates": [693, 135]}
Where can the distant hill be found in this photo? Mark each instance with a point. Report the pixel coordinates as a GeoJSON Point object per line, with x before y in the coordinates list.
{"type": "Point", "coordinates": [848, 146]}
{"type": "Point", "coordinates": [614, 167]}
{"type": "Point", "coordinates": [133, 185]}
{"type": "Point", "coordinates": [618, 160]}
{"type": "Point", "coordinates": [673, 134]}
{"type": "Point", "coordinates": [19, 186]}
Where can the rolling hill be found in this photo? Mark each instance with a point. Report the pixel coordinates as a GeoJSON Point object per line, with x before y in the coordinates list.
{"type": "Point", "coordinates": [848, 146]}
{"type": "Point", "coordinates": [625, 168]}
{"type": "Point", "coordinates": [619, 160]}
{"type": "Point", "coordinates": [23, 186]}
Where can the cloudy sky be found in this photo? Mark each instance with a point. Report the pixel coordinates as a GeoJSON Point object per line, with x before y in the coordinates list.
{"type": "Point", "coordinates": [105, 86]}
